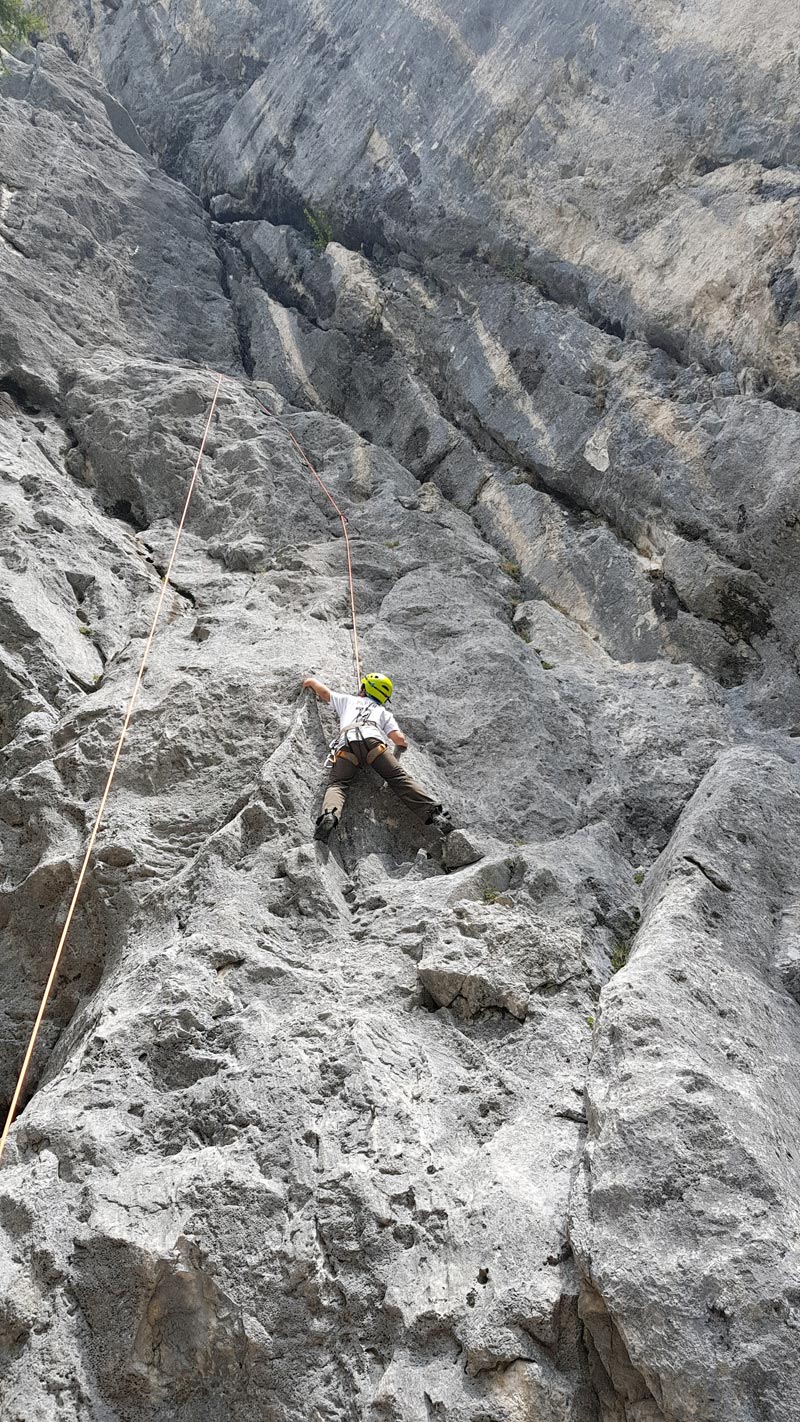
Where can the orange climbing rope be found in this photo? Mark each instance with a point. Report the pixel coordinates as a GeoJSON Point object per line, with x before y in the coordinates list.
{"type": "Point", "coordinates": [101, 810]}
{"type": "Point", "coordinates": [326, 491]}
{"type": "Point", "coordinates": [129, 713]}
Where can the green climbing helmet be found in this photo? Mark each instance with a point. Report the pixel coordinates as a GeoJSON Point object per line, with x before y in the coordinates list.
{"type": "Point", "coordinates": [378, 686]}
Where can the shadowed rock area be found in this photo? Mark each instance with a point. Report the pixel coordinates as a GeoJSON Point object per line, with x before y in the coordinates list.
{"type": "Point", "coordinates": [495, 1130]}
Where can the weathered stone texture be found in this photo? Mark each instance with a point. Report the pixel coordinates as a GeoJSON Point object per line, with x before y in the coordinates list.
{"type": "Point", "coordinates": [495, 1131]}
{"type": "Point", "coordinates": [685, 1224]}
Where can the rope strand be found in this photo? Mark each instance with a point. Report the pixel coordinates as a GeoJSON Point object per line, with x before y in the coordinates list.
{"type": "Point", "coordinates": [104, 798]}
{"type": "Point", "coordinates": [129, 713]}
{"type": "Point", "coordinates": [326, 491]}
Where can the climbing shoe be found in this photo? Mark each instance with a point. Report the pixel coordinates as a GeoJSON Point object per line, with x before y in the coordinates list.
{"type": "Point", "coordinates": [325, 826]}
{"type": "Point", "coordinates": [441, 821]}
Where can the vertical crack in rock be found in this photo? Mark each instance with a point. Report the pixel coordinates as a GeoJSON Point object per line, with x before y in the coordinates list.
{"type": "Point", "coordinates": [488, 1131]}
{"type": "Point", "coordinates": [688, 1122]}
{"type": "Point", "coordinates": [620, 1390]}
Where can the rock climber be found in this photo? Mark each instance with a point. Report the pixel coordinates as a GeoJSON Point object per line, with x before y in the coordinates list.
{"type": "Point", "coordinates": [366, 727]}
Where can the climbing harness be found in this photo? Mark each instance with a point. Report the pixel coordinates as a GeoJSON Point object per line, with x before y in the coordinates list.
{"type": "Point", "coordinates": [344, 753]}
{"type": "Point", "coordinates": [104, 798]}
{"type": "Point", "coordinates": [371, 755]}
{"type": "Point", "coordinates": [29, 1051]}
{"type": "Point", "coordinates": [343, 737]}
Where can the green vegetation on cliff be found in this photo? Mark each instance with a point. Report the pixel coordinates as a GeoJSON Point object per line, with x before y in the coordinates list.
{"type": "Point", "coordinates": [17, 22]}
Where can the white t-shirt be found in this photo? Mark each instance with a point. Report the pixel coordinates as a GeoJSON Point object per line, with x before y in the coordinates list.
{"type": "Point", "coordinates": [360, 714]}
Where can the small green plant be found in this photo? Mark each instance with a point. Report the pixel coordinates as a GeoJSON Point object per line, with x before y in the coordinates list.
{"type": "Point", "coordinates": [590, 1019]}
{"type": "Point", "coordinates": [393, 543]}
{"type": "Point", "coordinates": [320, 228]}
{"type": "Point", "coordinates": [84, 630]}
{"type": "Point", "coordinates": [547, 666]}
{"type": "Point", "coordinates": [638, 876]}
{"type": "Point", "coordinates": [511, 568]}
{"type": "Point", "coordinates": [490, 894]}
{"type": "Point", "coordinates": [524, 635]}
{"type": "Point", "coordinates": [620, 953]}
{"type": "Point", "coordinates": [18, 23]}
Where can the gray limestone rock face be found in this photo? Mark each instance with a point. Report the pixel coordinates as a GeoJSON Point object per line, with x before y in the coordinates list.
{"type": "Point", "coordinates": [491, 1129]}
{"type": "Point", "coordinates": [637, 161]}
{"type": "Point", "coordinates": [684, 1218]}
{"type": "Point", "coordinates": [97, 246]}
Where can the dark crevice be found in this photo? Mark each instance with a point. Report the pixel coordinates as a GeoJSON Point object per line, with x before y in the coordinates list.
{"type": "Point", "coordinates": [175, 587]}
{"type": "Point", "coordinates": [80, 584]}
{"type": "Point", "coordinates": [571, 295]}
{"type": "Point", "coordinates": [227, 279]}
{"type": "Point", "coordinates": [80, 681]}
{"type": "Point", "coordinates": [577, 302]}
{"type": "Point", "coordinates": [743, 615]}
{"type": "Point", "coordinates": [571, 1113]}
{"type": "Point", "coordinates": [783, 289]}
{"type": "Point", "coordinates": [710, 874]}
{"type": "Point", "coordinates": [428, 469]}
{"type": "Point", "coordinates": [236, 809]}
{"type": "Point", "coordinates": [668, 605]}
{"type": "Point", "coordinates": [706, 163]}
{"type": "Point", "coordinates": [281, 291]}
{"type": "Point", "coordinates": [618, 1386]}
{"type": "Point", "coordinates": [123, 510]}
{"type": "Point", "coordinates": [426, 1000]}
{"type": "Point", "coordinates": [496, 1368]}
{"type": "Point", "coordinates": [240, 270]}
{"type": "Point", "coordinates": [476, 498]}
{"type": "Point", "coordinates": [281, 204]}
{"type": "Point", "coordinates": [10, 241]}
{"type": "Point", "coordinates": [72, 52]}
{"type": "Point", "coordinates": [28, 398]}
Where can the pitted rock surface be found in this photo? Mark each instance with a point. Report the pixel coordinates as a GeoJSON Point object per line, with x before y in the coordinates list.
{"type": "Point", "coordinates": [495, 1129]}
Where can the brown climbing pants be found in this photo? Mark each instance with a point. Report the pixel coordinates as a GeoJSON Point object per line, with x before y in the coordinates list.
{"type": "Point", "coordinates": [358, 754]}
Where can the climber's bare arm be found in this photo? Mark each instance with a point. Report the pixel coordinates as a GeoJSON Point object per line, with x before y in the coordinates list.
{"type": "Point", "coordinates": [318, 687]}
{"type": "Point", "coordinates": [398, 739]}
